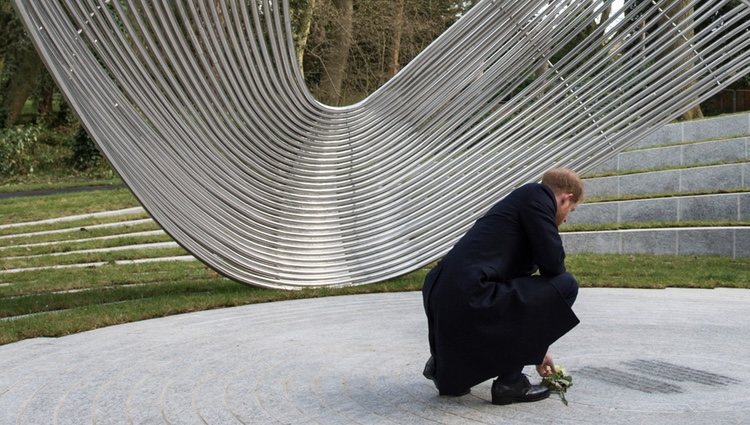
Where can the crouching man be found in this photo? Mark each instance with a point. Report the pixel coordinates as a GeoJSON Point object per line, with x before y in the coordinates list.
{"type": "Point", "coordinates": [488, 314]}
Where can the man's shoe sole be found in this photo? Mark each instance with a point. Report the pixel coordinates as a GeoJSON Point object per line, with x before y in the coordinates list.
{"type": "Point", "coordinates": [429, 373]}
{"type": "Point", "coordinates": [458, 394]}
{"type": "Point", "coordinates": [501, 401]}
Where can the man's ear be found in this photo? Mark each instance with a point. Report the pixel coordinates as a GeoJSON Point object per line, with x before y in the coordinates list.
{"type": "Point", "coordinates": [565, 197]}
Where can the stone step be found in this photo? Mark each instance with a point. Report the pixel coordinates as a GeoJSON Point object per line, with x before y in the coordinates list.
{"type": "Point", "coordinates": [718, 207]}
{"type": "Point", "coordinates": [116, 213]}
{"type": "Point", "coordinates": [722, 127]}
{"type": "Point", "coordinates": [135, 247]}
{"type": "Point", "coordinates": [100, 264]}
{"type": "Point", "coordinates": [691, 154]}
{"type": "Point", "coordinates": [709, 178]}
{"type": "Point", "coordinates": [693, 144]}
{"type": "Point", "coordinates": [716, 241]}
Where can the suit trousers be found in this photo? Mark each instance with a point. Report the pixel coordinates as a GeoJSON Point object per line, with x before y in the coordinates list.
{"type": "Point", "coordinates": [567, 286]}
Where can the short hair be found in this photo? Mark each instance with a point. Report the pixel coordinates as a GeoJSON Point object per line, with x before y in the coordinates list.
{"type": "Point", "coordinates": [564, 180]}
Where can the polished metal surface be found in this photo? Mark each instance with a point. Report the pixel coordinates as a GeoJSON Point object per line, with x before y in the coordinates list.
{"type": "Point", "coordinates": [202, 110]}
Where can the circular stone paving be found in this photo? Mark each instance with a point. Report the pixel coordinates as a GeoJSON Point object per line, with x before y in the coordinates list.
{"type": "Point", "coordinates": [638, 356]}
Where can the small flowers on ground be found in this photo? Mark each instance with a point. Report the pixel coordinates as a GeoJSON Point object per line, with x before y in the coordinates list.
{"type": "Point", "coordinates": [559, 382]}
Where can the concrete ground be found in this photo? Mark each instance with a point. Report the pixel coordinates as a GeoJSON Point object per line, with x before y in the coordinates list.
{"type": "Point", "coordinates": [674, 356]}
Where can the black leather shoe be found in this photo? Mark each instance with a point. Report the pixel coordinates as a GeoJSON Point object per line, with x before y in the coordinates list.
{"type": "Point", "coordinates": [456, 394]}
{"type": "Point", "coordinates": [429, 370]}
{"type": "Point", "coordinates": [429, 373]}
{"type": "Point", "coordinates": [521, 391]}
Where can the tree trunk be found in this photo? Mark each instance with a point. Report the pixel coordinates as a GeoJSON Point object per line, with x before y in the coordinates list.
{"type": "Point", "coordinates": [398, 29]}
{"type": "Point", "coordinates": [606, 13]}
{"type": "Point", "coordinates": [544, 67]}
{"type": "Point", "coordinates": [45, 91]}
{"type": "Point", "coordinates": [44, 107]}
{"type": "Point", "coordinates": [21, 85]}
{"type": "Point", "coordinates": [303, 33]}
{"type": "Point", "coordinates": [680, 43]}
{"type": "Point", "coordinates": [337, 57]}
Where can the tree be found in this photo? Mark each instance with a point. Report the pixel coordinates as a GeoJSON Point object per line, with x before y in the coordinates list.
{"type": "Point", "coordinates": [590, 28]}
{"type": "Point", "coordinates": [336, 57]}
{"type": "Point", "coordinates": [20, 67]}
{"type": "Point", "coordinates": [719, 17]}
{"type": "Point", "coordinates": [385, 36]}
{"type": "Point", "coordinates": [302, 17]}
{"type": "Point", "coordinates": [397, 23]}
{"type": "Point", "coordinates": [683, 19]}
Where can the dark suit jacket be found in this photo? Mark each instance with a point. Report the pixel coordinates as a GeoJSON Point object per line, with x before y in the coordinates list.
{"type": "Point", "coordinates": [486, 313]}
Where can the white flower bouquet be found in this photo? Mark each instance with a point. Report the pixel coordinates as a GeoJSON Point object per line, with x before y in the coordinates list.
{"type": "Point", "coordinates": [559, 381]}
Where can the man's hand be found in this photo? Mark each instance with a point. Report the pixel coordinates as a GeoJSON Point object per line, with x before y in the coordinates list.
{"type": "Point", "coordinates": [547, 367]}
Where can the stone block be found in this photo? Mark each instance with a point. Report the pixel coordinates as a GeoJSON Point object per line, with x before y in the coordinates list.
{"type": "Point", "coordinates": [670, 134]}
{"type": "Point", "coordinates": [744, 206]}
{"type": "Point", "coordinates": [595, 213]}
{"type": "Point", "coordinates": [704, 241]}
{"type": "Point", "coordinates": [718, 151]}
{"type": "Point", "coordinates": [650, 158]}
{"type": "Point", "coordinates": [587, 242]}
{"type": "Point", "coordinates": [661, 242]}
{"type": "Point", "coordinates": [601, 186]}
{"type": "Point", "coordinates": [651, 139]}
{"type": "Point", "coordinates": [711, 178]}
{"type": "Point", "coordinates": [606, 166]}
{"type": "Point", "coordinates": [711, 207]}
{"type": "Point", "coordinates": [742, 242]}
{"type": "Point", "coordinates": [653, 182]}
{"type": "Point", "coordinates": [714, 128]}
{"type": "Point", "coordinates": [648, 210]}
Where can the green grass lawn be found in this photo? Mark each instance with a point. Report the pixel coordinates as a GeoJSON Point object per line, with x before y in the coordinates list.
{"type": "Point", "coordinates": [77, 230]}
{"type": "Point", "coordinates": [61, 302]}
{"type": "Point", "coordinates": [18, 210]}
{"type": "Point", "coordinates": [57, 302]}
{"type": "Point", "coordinates": [46, 182]}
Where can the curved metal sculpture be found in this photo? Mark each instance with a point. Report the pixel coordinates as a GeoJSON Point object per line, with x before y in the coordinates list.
{"type": "Point", "coordinates": [201, 109]}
